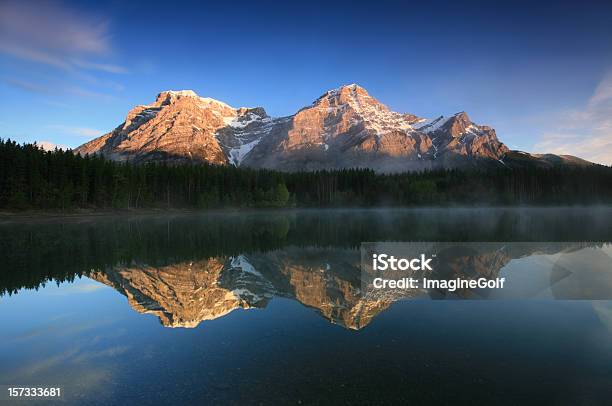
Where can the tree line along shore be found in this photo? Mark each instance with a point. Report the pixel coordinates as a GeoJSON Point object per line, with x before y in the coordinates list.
{"type": "Point", "coordinates": [34, 179]}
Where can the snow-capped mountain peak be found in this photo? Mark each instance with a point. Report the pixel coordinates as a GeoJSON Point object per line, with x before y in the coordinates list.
{"type": "Point", "coordinates": [345, 127]}
{"type": "Point", "coordinates": [363, 109]}
{"type": "Point", "coordinates": [185, 93]}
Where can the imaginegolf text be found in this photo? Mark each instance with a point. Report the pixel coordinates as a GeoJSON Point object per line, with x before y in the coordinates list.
{"type": "Point", "coordinates": [449, 284]}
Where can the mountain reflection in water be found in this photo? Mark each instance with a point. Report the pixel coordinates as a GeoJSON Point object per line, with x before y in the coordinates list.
{"type": "Point", "coordinates": [73, 293]}
{"type": "Point", "coordinates": [328, 280]}
{"type": "Point", "coordinates": [189, 269]}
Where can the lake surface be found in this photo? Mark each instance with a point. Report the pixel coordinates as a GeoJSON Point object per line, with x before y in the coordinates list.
{"type": "Point", "coordinates": [266, 307]}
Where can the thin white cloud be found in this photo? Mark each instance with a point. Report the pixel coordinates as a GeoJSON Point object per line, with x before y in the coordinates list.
{"type": "Point", "coordinates": [104, 67]}
{"type": "Point", "coordinates": [46, 32]}
{"type": "Point", "coordinates": [57, 89]}
{"type": "Point", "coordinates": [28, 86]}
{"type": "Point", "coordinates": [79, 91]}
{"type": "Point", "coordinates": [585, 132]}
{"type": "Point", "coordinates": [603, 92]}
{"type": "Point", "coordinates": [80, 131]}
{"type": "Point", "coordinates": [32, 55]}
{"type": "Point", "coordinates": [55, 103]}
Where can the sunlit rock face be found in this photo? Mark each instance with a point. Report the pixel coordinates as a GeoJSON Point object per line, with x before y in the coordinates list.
{"type": "Point", "coordinates": [181, 126]}
{"type": "Point", "coordinates": [340, 129]}
{"type": "Point", "coordinates": [344, 128]}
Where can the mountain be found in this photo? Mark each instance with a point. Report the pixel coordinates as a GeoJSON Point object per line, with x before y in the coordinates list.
{"type": "Point", "coordinates": [181, 126]}
{"type": "Point", "coordinates": [344, 128]}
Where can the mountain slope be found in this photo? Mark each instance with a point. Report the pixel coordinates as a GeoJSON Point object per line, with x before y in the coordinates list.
{"type": "Point", "coordinates": [344, 128]}
{"type": "Point", "coordinates": [181, 126]}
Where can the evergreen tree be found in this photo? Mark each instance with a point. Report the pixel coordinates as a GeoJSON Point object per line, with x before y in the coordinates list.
{"type": "Point", "coordinates": [31, 178]}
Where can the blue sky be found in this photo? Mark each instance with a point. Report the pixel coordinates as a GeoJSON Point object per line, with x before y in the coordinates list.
{"type": "Point", "coordinates": [540, 74]}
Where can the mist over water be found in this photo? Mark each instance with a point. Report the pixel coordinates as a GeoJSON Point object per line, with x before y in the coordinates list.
{"type": "Point", "coordinates": [267, 307]}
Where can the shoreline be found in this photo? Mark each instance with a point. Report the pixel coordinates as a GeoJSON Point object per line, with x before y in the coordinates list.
{"type": "Point", "coordinates": [37, 215]}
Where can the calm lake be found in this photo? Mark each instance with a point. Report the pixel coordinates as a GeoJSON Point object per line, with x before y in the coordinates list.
{"type": "Point", "coordinates": [266, 307]}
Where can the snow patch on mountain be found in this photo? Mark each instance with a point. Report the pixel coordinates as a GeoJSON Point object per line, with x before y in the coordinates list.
{"type": "Point", "coordinates": [251, 285]}
{"type": "Point", "coordinates": [205, 101]}
{"type": "Point", "coordinates": [242, 262]}
{"type": "Point", "coordinates": [375, 116]}
{"type": "Point", "coordinates": [428, 126]}
{"type": "Point", "coordinates": [186, 93]}
{"type": "Point", "coordinates": [237, 155]}
{"type": "Point", "coordinates": [240, 122]}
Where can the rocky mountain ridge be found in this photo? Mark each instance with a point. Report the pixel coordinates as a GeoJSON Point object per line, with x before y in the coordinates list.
{"type": "Point", "coordinates": [344, 128]}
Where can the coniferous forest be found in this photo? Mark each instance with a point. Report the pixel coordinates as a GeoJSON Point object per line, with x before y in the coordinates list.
{"type": "Point", "coordinates": [31, 178]}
